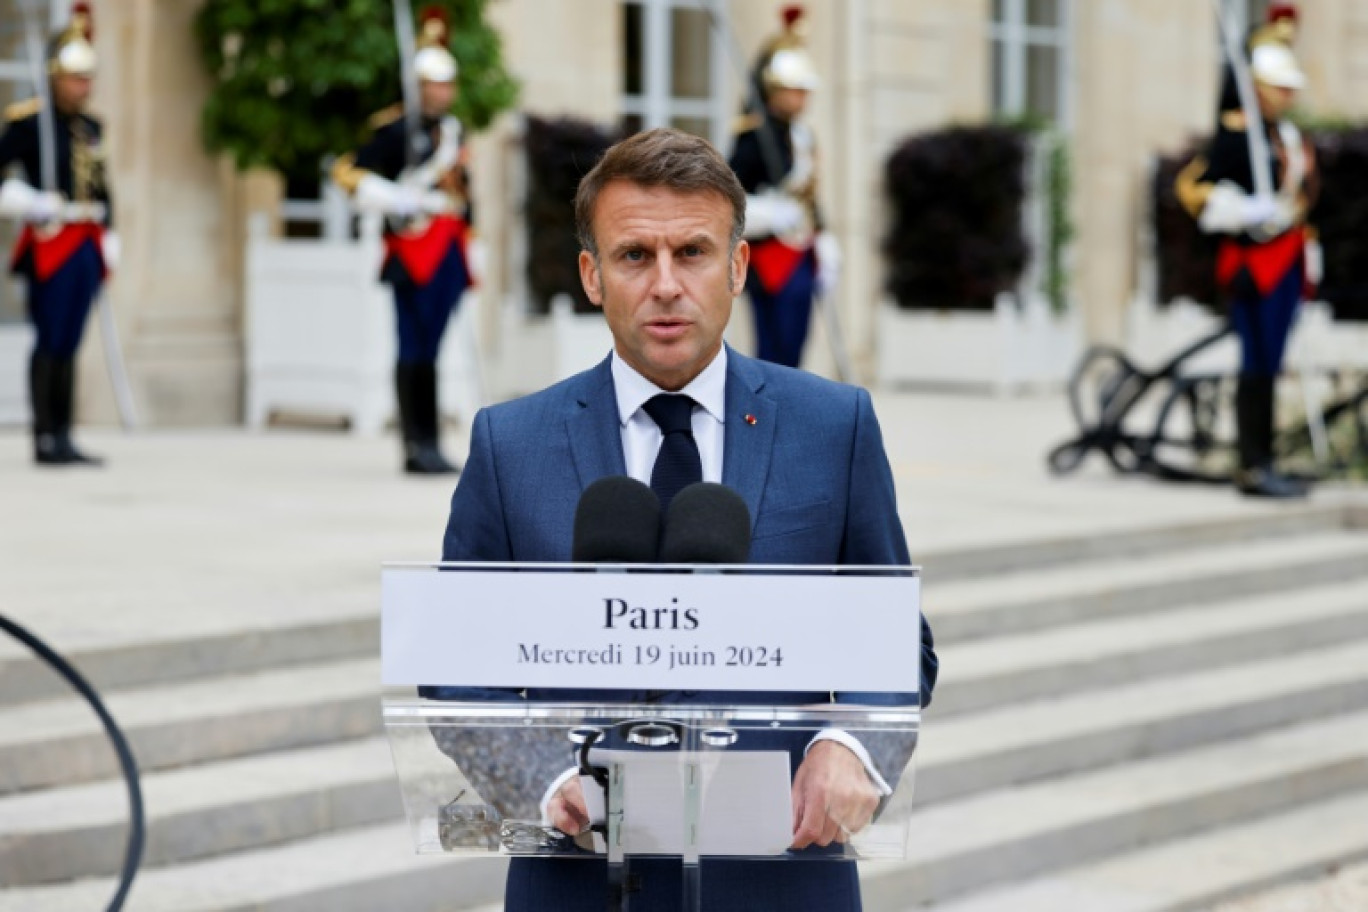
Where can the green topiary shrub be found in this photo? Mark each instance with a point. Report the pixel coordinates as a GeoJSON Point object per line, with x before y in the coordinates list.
{"type": "Point", "coordinates": [295, 80]}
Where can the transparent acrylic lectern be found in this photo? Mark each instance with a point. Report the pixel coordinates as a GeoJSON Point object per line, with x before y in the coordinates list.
{"type": "Point", "coordinates": [680, 701]}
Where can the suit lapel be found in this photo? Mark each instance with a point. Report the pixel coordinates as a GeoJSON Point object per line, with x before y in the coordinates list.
{"type": "Point", "coordinates": [593, 429]}
{"type": "Point", "coordinates": [747, 446]}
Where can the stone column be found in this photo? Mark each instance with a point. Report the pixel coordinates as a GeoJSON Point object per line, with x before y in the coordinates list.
{"type": "Point", "coordinates": [178, 291]}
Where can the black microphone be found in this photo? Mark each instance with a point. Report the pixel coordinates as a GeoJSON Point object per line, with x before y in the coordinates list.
{"type": "Point", "coordinates": [617, 521]}
{"type": "Point", "coordinates": [706, 524]}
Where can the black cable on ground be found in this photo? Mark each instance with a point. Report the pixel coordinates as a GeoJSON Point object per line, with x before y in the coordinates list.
{"type": "Point", "coordinates": [137, 826]}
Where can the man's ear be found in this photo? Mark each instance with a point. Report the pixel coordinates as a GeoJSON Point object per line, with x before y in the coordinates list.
{"type": "Point", "coordinates": [740, 262]}
{"type": "Point", "coordinates": [589, 278]}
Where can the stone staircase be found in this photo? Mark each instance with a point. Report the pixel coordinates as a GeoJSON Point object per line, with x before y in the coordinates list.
{"type": "Point", "coordinates": [1152, 720]}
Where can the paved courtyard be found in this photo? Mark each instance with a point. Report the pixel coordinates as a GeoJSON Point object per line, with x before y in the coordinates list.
{"type": "Point", "coordinates": [188, 530]}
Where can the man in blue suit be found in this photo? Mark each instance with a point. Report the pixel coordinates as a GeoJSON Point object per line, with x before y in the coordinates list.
{"type": "Point", "coordinates": [661, 220]}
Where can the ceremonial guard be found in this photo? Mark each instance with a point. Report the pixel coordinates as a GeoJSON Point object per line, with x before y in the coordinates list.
{"type": "Point", "coordinates": [412, 171]}
{"type": "Point", "coordinates": [59, 191]}
{"type": "Point", "coordinates": [1266, 254]}
{"type": "Point", "coordinates": [775, 157]}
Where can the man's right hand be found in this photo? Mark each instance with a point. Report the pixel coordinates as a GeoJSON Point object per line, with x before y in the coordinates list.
{"type": "Point", "coordinates": [566, 810]}
{"type": "Point", "coordinates": [46, 206]}
{"type": "Point", "coordinates": [1260, 211]}
{"type": "Point", "coordinates": [772, 214]}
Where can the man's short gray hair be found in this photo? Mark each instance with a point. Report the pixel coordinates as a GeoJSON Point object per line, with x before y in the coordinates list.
{"type": "Point", "coordinates": [664, 157]}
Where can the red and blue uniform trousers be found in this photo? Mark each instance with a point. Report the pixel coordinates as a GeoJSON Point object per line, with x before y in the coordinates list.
{"type": "Point", "coordinates": [782, 282]}
{"type": "Point", "coordinates": [428, 273]}
{"type": "Point", "coordinates": [1263, 284]}
{"type": "Point", "coordinates": [65, 270]}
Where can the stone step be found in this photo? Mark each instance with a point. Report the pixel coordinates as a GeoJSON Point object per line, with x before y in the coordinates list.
{"type": "Point", "coordinates": [1196, 872]}
{"type": "Point", "coordinates": [1013, 744]}
{"type": "Point", "coordinates": [230, 647]}
{"type": "Point", "coordinates": [361, 870]}
{"type": "Point", "coordinates": [1052, 597]}
{"type": "Point", "coordinates": [198, 812]}
{"type": "Point", "coordinates": [1065, 660]}
{"type": "Point", "coordinates": [1286, 521]}
{"type": "Point", "coordinates": [64, 833]}
{"type": "Point", "coordinates": [1025, 831]}
{"type": "Point", "coordinates": [60, 742]}
{"type": "Point", "coordinates": [258, 636]}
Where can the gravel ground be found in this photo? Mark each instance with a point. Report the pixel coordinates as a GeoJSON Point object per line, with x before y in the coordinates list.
{"type": "Point", "coordinates": [1344, 891]}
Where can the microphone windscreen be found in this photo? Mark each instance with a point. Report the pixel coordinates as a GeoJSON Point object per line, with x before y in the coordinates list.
{"type": "Point", "coordinates": [617, 521]}
{"type": "Point", "coordinates": [706, 524]}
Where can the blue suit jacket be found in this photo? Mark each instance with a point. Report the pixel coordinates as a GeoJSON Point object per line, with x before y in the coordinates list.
{"type": "Point", "coordinates": [813, 472]}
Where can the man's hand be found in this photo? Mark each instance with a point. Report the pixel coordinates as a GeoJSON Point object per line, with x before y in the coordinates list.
{"type": "Point", "coordinates": [436, 202]}
{"type": "Point", "coordinates": [828, 263]}
{"type": "Point", "coordinates": [832, 796]}
{"type": "Point", "coordinates": [566, 810]}
{"type": "Point", "coordinates": [46, 206]}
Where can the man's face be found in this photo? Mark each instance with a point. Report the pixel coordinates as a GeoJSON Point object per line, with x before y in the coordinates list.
{"type": "Point", "coordinates": [664, 277]}
{"type": "Point", "coordinates": [437, 97]}
{"type": "Point", "coordinates": [1274, 101]}
{"type": "Point", "coordinates": [788, 104]}
{"type": "Point", "coordinates": [70, 93]}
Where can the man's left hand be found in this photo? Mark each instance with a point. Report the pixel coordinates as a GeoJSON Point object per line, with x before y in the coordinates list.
{"type": "Point", "coordinates": [832, 796]}
{"type": "Point", "coordinates": [828, 264]}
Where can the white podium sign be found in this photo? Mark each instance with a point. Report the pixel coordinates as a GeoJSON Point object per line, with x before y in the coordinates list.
{"type": "Point", "coordinates": [568, 626]}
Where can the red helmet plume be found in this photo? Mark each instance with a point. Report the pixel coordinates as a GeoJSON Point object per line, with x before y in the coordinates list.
{"type": "Point", "coordinates": [434, 27]}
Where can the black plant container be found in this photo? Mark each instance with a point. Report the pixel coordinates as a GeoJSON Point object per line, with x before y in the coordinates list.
{"type": "Point", "coordinates": [559, 153]}
{"type": "Point", "coordinates": [956, 236]}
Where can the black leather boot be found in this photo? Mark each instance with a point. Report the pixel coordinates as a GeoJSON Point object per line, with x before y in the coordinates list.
{"type": "Point", "coordinates": [42, 382]}
{"type": "Point", "coordinates": [417, 385]}
{"type": "Point", "coordinates": [1254, 416]}
{"type": "Point", "coordinates": [64, 396]}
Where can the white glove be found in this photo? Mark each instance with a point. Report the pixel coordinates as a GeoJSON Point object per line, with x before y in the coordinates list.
{"type": "Point", "coordinates": [772, 213]}
{"type": "Point", "coordinates": [19, 199]}
{"type": "Point", "coordinates": [1315, 263]}
{"type": "Point", "coordinates": [828, 264]}
{"type": "Point", "coordinates": [1258, 211]}
{"type": "Point", "coordinates": [1230, 210]}
{"type": "Point", "coordinates": [111, 248]}
{"type": "Point", "coordinates": [477, 257]}
{"type": "Point", "coordinates": [436, 202]}
{"type": "Point", "coordinates": [84, 212]}
{"type": "Point", "coordinates": [376, 194]}
{"type": "Point", "coordinates": [47, 206]}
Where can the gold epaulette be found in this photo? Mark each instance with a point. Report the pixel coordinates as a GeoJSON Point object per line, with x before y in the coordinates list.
{"type": "Point", "coordinates": [386, 116]}
{"type": "Point", "coordinates": [1191, 191]}
{"type": "Point", "coordinates": [747, 122]}
{"type": "Point", "coordinates": [1234, 121]}
{"type": "Point", "coordinates": [345, 173]}
{"type": "Point", "coordinates": [21, 109]}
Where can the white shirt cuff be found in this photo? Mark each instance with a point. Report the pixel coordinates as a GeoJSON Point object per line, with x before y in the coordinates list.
{"type": "Point", "coordinates": [858, 749]}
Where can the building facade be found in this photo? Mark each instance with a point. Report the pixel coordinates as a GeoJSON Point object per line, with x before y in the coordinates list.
{"type": "Point", "coordinates": [1122, 79]}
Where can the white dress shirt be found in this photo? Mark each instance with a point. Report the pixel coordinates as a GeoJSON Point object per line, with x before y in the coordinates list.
{"type": "Point", "coordinates": [641, 436]}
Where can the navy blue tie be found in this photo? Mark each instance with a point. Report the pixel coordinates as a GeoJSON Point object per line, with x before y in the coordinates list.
{"type": "Point", "coordinates": [678, 464]}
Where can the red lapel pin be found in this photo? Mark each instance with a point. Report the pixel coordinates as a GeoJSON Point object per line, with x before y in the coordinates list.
{"type": "Point", "coordinates": [750, 419]}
